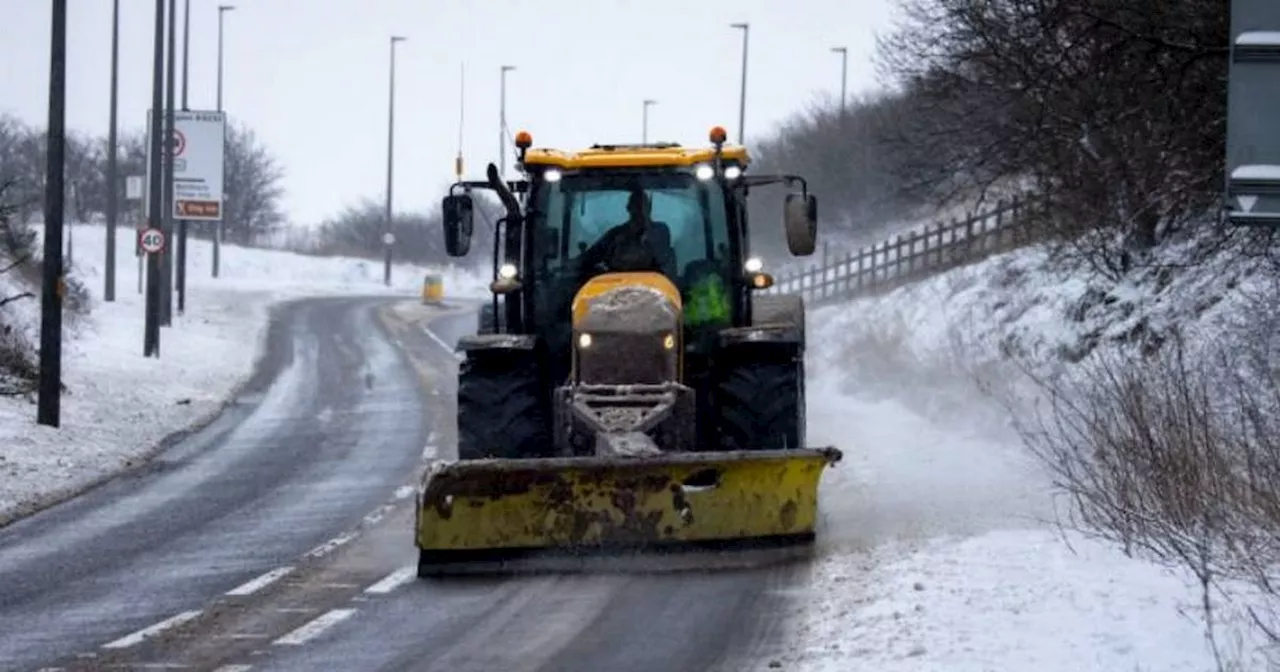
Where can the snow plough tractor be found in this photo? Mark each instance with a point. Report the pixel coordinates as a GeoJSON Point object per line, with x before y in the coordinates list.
{"type": "Point", "coordinates": [629, 388]}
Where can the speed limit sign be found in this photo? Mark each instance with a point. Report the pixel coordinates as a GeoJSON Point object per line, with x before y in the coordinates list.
{"type": "Point", "coordinates": [151, 240]}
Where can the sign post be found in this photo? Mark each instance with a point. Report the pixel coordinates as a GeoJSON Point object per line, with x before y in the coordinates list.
{"type": "Point", "coordinates": [1253, 95]}
{"type": "Point", "coordinates": [199, 165]}
{"type": "Point", "coordinates": [133, 191]}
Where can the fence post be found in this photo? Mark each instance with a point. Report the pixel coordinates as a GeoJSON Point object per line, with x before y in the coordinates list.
{"type": "Point", "coordinates": [862, 255]}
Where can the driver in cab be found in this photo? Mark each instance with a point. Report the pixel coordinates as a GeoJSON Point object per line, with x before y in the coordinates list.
{"type": "Point", "coordinates": [637, 244]}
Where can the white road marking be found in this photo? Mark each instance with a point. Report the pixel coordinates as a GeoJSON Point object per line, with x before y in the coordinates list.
{"type": "Point", "coordinates": [447, 348]}
{"type": "Point", "coordinates": [252, 586]}
{"type": "Point", "coordinates": [330, 546]}
{"type": "Point", "coordinates": [316, 627]}
{"type": "Point", "coordinates": [152, 631]}
{"type": "Point", "coordinates": [429, 451]}
{"type": "Point", "coordinates": [404, 491]}
{"type": "Point", "coordinates": [234, 668]}
{"type": "Point", "coordinates": [393, 580]}
{"type": "Point", "coordinates": [378, 513]}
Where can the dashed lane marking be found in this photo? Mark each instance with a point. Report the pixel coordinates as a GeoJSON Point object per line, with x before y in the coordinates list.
{"type": "Point", "coordinates": [254, 585]}
{"type": "Point", "coordinates": [332, 545]}
{"type": "Point", "coordinates": [392, 581]}
{"type": "Point", "coordinates": [378, 513]}
{"type": "Point", "coordinates": [152, 631]}
{"type": "Point", "coordinates": [234, 668]}
{"type": "Point", "coordinates": [315, 627]}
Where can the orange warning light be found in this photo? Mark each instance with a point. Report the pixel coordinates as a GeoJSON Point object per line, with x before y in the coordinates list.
{"type": "Point", "coordinates": [524, 140]}
{"type": "Point", "coordinates": [718, 135]}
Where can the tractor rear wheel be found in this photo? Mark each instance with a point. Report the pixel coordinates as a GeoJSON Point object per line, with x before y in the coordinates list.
{"type": "Point", "coordinates": [502, 408]}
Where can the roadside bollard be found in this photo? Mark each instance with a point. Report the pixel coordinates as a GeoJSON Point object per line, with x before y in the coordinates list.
{"type": "Point", "coordinates": [432, 290]}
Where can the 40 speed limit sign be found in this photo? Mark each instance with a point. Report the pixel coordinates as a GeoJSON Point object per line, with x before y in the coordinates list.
{"type": "Point", "coordinates": [151, 240]}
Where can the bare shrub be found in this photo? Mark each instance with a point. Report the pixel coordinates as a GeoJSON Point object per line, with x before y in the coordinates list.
{"type": "Point", "coordinates": [18, 370]}
{"type": "Point", "coordinates": [1176, 457]}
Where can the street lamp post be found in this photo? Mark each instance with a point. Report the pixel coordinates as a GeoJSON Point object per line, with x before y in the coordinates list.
{"type": "Point", "coordinates": [49, 401]}
{"type": "Point", "coordinates": [182, 223]}
{"type": "Point", "coordinates": [742, 97]}
{"type": "Point", "coordinates": [218, 225]}
{"type": "Point", "coordinates": [151, 323]}
{"type": "Point", "coordinates": [388, 237]}
{"type": "Point", "coordinates": [844, 74]}
{"type": "Point", "coordinates": [171, 70]}
{"type": "Point", "coordinates": [113, 187]}
{"type": "Point", "coordinates": [644, 133]}
{"type": "Point", "coordinates": [502, 122]}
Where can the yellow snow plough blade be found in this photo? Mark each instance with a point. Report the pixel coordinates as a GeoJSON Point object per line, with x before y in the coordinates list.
{"type": "Point", "coordinates": [481, 511]}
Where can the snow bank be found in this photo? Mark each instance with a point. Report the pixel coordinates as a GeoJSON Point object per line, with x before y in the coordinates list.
{"type": "Point", "coordinates": [1002, 600]}
{"type": "Point", "coordinates": [119, 405]}
{"type": "Point", "coordinates": [938, 546]}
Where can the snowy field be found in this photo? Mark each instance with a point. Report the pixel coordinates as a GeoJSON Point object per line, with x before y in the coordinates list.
{"type": "Point", "coordinates": [118, 404]}
{"type": "Point", "coordinates": [940, 543]}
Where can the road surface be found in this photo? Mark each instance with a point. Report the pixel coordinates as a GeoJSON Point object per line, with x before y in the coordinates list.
{"type": "Point", "coordinates": [280, 538]}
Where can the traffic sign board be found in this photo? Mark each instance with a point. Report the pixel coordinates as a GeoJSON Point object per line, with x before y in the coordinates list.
{"type": "Point", "coordinates": [152, 240]}
{"type": "Point", "coordinates": [388, 238]}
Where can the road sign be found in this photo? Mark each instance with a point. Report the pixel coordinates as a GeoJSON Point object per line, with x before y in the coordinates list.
{"type": "Point", "coordinates": [388, 238]}
{"type": "Point", "coordinates": [179, 140]}
{"type": "Point", "coordinates": [198, 164]}
{"type": "Point", "coordinates": [1253, 92]}
{"type": "Point", "coordinates": [133, 187]}
{"type": "Point", "coordinates": [152, 240]}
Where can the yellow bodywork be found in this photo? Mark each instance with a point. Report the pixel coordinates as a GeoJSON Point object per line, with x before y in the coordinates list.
{"type": "Point", "coordinates": [580, 503]}
{"type": "Point", "coordinates": [601, 284]}
{"type": "Point", "coordinates": [633, 157]}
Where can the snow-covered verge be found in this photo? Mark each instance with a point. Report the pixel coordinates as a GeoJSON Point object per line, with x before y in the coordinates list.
{"type": "Point", "coordinates": [119, 405]}
{"type": "Point", "coordinates": [941, 547]}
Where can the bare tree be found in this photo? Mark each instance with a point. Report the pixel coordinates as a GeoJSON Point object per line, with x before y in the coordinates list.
{"type": "Point", "coordinates": [1115, 111]}
{"type": "Point", "coordinates": [252, 183]}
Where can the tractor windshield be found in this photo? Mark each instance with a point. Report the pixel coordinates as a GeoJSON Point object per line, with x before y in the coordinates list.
{"type": "Point", "coordinates": [587, 224]}
{"type": "Point", "coordinates": [585, 220]}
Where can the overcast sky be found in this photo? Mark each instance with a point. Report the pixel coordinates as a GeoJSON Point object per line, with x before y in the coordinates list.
{"type": "Point", "coordinates": [310, 76]}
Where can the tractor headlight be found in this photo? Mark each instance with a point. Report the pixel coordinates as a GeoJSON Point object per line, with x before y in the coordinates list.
{"type": "Point", "coordinates": [704, 172]}
{"type": "Point", "coordinates": [552, 175]}
{"type": "Point", "coordinates": [508, 271]}
{"type": "Point", "coordinates": [584, 341]}
{"type": "Point", "coordinates": [669, 342]}
{"type": "Point", "coordinates": [732, 172]}
{"type": "Point", "coordinates": [753, 265]}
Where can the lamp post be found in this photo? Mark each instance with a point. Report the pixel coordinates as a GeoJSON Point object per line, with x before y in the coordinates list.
{"type": "Point", "coordinates": [217, 228]}
{"type": "Point", "coordinates": [109, 290]}
{"type": "Point", "coordinates": [151, 324]}
{"type": "Point", "coordinates": [166, 216]}
{"type": "Point", "coordinates": [49, 401]}
{"type": "Point", "coordinates": [502, 122]}
{"type": "Point", "coordinates": [644, 134]}
{"type": "Point", "coordinates": [742, 97]}
{"type": "Point", "coordinates": [388, 238]}
{"type": "Point", "coordinates": [844, 74]}
{"type": "Point", "coordinates": [182, 223]}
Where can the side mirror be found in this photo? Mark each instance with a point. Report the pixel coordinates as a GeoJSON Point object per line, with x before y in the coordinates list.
{"type": "Point", "coordinates": [800, 217]}
{"type": "Point", "coordinates": [458, 212]}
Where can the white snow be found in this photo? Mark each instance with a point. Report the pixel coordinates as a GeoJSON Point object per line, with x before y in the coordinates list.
{"type": "Point", "coordinates": [1259, 38]}
{"type": "Point", "coordinates": [1259, 171]}
{"type": "Point", "coordinates": [938, 545]}
{"type": "Point", "coordinates": [119, 405]}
